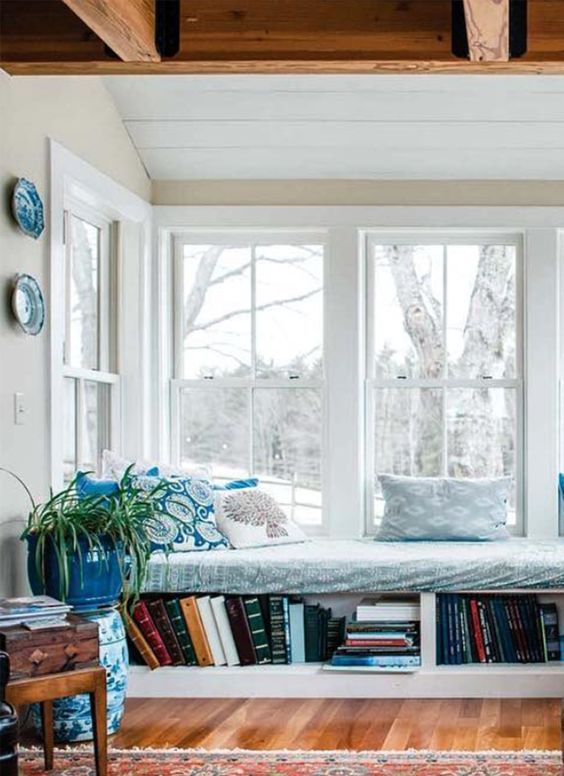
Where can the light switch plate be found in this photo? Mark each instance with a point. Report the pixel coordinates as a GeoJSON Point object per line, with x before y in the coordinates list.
{"type": "Point", "coordinates": [20, 411]}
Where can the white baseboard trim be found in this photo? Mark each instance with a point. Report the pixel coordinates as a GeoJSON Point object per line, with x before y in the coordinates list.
{"type": "Point", "coordinates": [308, 680]}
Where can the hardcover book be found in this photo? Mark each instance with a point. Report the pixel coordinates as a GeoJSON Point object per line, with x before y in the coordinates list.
{"type": "Point", "coordinates": [224, 628]}
{"type": "Point", "coordinates": [324, 616]}
{"type": "Point", "coordinates": [287, 634]}
{"type": "Point", "coordinates": [241, 631]}
{"type": "Point", "coordinates": [145, 622]}
{"type": "Point", "coordinates": [139, 642]}
{"type": "Point", "coordinates": [164, 626]}
{"type": "Point", "coordinates": [519, 630]}
{"type": "Point", "coordinates": [191, 614]}
{"type": "Point", "coordinates": [390, 608]}
{"type": "Point", "coordinates": [486, 633]}
{"type": "Point", "coordinates": [258, 630]}
{"type": "Point", "coordinates": [277, 629]}
{"type": "Point", "coordinates": [497, 654]}
{"type": "Point", "coordinates": [210, 627]}
{"type": "Point", "coordinates": [297, 632]}
{"type": "Point", "coordinates": [383, 661]}
{"type": "Point", "coordinates": [537, 627]}
{"type": "Point", "coordinates": [264, 601]}
{"type": "Point", "coordinates": [312, 639]}
{"type": "Point", "coordinates": [179, 626]}
{"type": "Point", "coordinates": [550, 629]}
{"type": "Point", "coordinates": [335, 635]}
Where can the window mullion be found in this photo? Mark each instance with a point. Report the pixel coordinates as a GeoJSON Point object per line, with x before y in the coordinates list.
{"type": "Point", "coordinates": [445, 371]}
{"type": "Point", "coordinates": [253, 375]}
{"type": "Point", "coordinates": [79, 421]}
{"type": "Point", "coordinates": [67, 285]}
{"type": "Point", "coordinates": [253, 314]}
{"type": "Point", "coordinates": [251, 394]}
{"type": "Point", "coordinates": [101, 302]}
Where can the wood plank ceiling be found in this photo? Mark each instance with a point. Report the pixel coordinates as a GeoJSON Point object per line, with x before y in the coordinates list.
{"type": "Point", "coordinates": [283, 36]}
{"type": "Point", "coordinates": [389, 127]}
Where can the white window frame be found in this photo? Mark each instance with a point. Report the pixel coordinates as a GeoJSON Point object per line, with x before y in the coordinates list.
{"type": "Point", "coordinates": [106, 372]}
{"type": "Point", "coordinates": [78, 187]}
{"type": "Point", "coordinates": [251, 383]}
{"type": "Point", "coordinates": [346, 227]}
{"type": "Point", "coordinates": [445, 238]}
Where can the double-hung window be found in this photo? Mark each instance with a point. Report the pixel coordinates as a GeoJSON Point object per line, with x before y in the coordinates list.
{"type": "Point", "coordinates": [444, 361]}
{"type": "Point", "coordinates": [247, 388]}
{"type": "Point", "coordinates": [90, 379]}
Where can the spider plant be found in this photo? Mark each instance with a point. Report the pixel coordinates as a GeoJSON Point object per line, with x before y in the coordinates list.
{"type": "Point", "coordinates": [68, 525]}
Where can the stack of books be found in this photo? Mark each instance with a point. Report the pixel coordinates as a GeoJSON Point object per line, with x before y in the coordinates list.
{"type": "Point", "coordinates": [496, 629]}
{"type": "Point", "coordinates": [33, 612]}
{"type": "Point", "coordinates": [383, 635]}
{"type": "Point", "coordinates": [232, 630]}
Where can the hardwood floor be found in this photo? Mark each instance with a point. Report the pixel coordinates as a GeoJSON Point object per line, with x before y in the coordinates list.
{"type": "Point", "coordinates": [341, 724]}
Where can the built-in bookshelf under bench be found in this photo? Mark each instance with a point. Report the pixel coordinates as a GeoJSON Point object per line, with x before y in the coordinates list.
{"type": "Point", "coordinates": [471, 644]}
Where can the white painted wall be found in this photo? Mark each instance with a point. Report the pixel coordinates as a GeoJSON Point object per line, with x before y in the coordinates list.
{"type": "Point", "coordinates": [78, 113]}
{"type": "Point", "coordinates": [358, 192]}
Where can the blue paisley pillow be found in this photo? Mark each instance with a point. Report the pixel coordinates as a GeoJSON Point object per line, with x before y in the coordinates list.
{"type": "Point", "coordinates": [184, 518]}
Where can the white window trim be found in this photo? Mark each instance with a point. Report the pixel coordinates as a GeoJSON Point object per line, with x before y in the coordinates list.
{"type": "Point", "coordinates": [445, 238]}
{"type": "Point", "coordinates": [77, 184]}
{"type": "Point", "coordinates": [346, 226]}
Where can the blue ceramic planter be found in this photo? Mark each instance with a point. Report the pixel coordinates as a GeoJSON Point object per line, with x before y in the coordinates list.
{"type": "Point", "coordinates": [94, 583]}
{"type": "Point", "coordinates": [72, 720]}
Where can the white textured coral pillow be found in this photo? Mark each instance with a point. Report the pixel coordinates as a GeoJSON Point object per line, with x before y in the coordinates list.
{"type": "Point", "coordinates": [249, 517]}
{"type": "Point", "coordinates": [114, 467]}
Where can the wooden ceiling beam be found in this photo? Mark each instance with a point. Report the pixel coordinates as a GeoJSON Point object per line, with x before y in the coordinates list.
{"type": "Point", "coordinates": [277, 36]}
{"type": "Point", "coordinates": [125, 26]}
{"type": "Point", "coordinates": [487, 28]}
{"type": "Point", "coordinates": [291, 67]}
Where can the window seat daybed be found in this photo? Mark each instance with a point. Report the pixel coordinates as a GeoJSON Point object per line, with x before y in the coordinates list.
{"type": "Point", "coordinates": [340, 566]}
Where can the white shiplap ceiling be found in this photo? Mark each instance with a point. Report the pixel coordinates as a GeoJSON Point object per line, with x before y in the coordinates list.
{"type": "Point", "coordinates": [353, 127]}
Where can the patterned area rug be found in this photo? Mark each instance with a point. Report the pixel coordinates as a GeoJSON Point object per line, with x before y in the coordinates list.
{"type": "Point", "coordinates": [197, 762]}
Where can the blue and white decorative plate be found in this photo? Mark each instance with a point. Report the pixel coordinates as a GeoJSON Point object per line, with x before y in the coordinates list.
{"type": "Point", "coordinates": [28, 304]}
{"type": "Point", "coordinates": [27, 208]}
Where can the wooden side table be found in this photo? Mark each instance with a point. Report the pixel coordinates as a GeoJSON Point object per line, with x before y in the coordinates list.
{"type": "Point", "coordinates": [45, 689]}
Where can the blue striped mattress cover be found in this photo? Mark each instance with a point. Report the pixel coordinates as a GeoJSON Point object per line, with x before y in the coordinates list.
{"type": "Point", "coordinates": [348, 565]}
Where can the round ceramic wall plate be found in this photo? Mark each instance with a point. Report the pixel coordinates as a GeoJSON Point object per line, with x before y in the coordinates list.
{"type": "Point", "coordinates": [28, 304]}
{"type": "Point", "coordinates": [28, 208]}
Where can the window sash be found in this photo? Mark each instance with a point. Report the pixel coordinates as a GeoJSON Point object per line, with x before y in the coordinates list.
{"type": "Point", "coordinates": [438, 237]}
{"type": "Point", "coordinates": [106, 333]}
{"type": "Point", "coordinates": [111, 419]}
{"type": "Point", "coordinates": [106, 319]}
{"type": "Point", "coordinates": [253, 241]}
{"type": "Point", "coordinates": [253, 382]}
{"type": "Point", "coordinates": [251, 386]}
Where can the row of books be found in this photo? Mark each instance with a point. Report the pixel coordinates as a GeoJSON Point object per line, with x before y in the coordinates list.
{"type": "Point", "coordinates": [496, 629]}
{"type": "Point", "coordinates": [384, 634]}
{"type": "Point", "coordinates": [232, 630]}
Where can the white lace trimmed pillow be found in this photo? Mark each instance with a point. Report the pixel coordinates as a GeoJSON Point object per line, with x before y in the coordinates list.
{"type": "Point", "coordinates": [249, 517]}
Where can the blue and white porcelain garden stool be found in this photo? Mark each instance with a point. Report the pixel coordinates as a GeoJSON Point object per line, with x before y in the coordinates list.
{"type": "Point", "coordinates": [72, 719]}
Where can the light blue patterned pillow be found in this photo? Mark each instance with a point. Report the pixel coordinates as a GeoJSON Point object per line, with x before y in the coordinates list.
{"type": "Point", "coordinates": [184, 517]}
{"type": "Point", "coordinates": [443, 509]}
